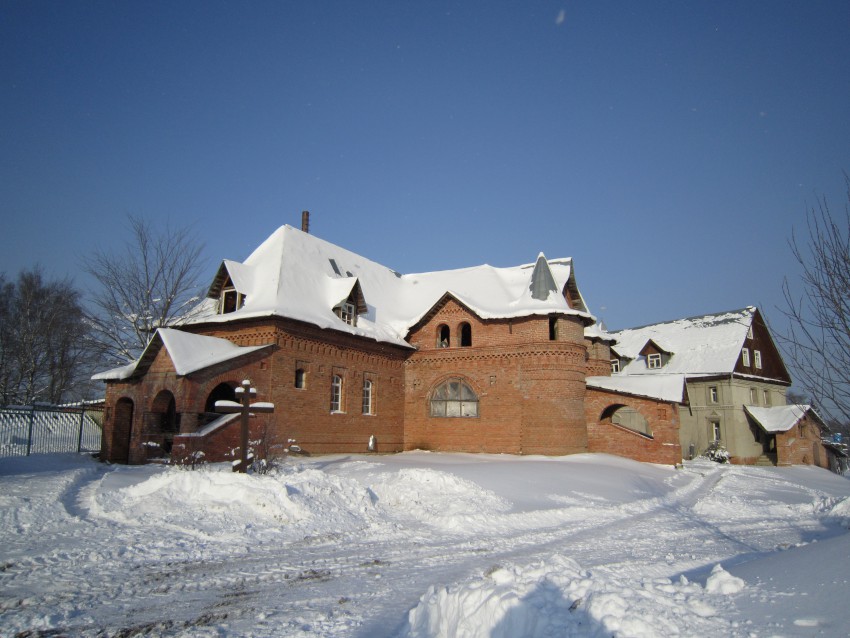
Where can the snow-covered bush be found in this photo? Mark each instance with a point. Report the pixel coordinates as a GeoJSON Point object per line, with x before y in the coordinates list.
{"type": "Point", "coordinates": [717, 453]}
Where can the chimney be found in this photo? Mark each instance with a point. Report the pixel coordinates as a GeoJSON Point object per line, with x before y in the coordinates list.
{"type": "Point", "coordinates": [305, 221]}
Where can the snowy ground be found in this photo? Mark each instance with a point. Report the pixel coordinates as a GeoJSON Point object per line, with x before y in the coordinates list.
{"type": "Point", "coordinates": [422, 544]}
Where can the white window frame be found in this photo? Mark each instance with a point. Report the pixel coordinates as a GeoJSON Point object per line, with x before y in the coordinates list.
{"type": "Point", "coordinates": [713, 394]}
{"type": "Point", "coordinates": [336, 394]}
{"type": "Point", "coordinates": [225, 295]}
{"type": "Point", "coordinates": [615, 365]}
{"type": "Point", "coordinates": [348, 313]}
{"type": "Point", "coordinates": [653, 361]}
{"type": "Point", "coordinates": [745, 357]}
{"type": "Point", "coordinates": [754, 396]}
{"type": "Point", "coordinates": [716, 434]}
{"type": "Point", "coordinates": [368, 388]}
{"type": "Point", "coordinates": [757, 359]}
{"type": "Point", "coordinates": [766, 396]}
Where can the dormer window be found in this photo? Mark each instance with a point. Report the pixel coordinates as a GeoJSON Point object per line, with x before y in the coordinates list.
{"type": "Point", "coordinates": [653, 361]}
{"type": "Point", "coordinates": [231, 301]}
{"type": "Point", "coordinates": [347, 311]}
{"type": "Point", "coordinates": [615, 365]}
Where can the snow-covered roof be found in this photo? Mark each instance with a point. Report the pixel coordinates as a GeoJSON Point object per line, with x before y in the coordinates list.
{"type": "Point", "coordinates": [597, 331]}
{"type": "Point", "coordinates": [706, 345]}
{"type": "Point", "coordinates": [189, 353]}
{"type": "Point", "coordinates": [780, 418]}
{"type": "Point", "coordinates": [296, 275]}
{"type": "Point", "coordinates": [669, 387]}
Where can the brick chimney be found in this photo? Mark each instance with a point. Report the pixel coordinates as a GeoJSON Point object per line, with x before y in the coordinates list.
{"type": "Point", "coordinates": [305, 221]}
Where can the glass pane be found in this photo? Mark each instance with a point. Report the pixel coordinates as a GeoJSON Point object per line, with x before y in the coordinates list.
{"type": "Point", "coordinates": [468, 394]}
{"type": "Point", "coordinates": [469, 408]}
{"type": "Point", "coordinates": [453, 408]}
{"type": "Point", "coordinates": [438, 408]}
{"type": "Point", "coordinates": [454, 389]}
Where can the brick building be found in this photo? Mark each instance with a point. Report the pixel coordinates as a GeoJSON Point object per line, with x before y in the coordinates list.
{"type": "Point", "coordinates": [357, 357]}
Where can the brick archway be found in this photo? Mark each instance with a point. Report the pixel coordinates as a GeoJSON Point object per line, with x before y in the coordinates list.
{"type": "Point", "coordinates": [660, 442]}
{"type": "Point", "coordinates": [118, 448]}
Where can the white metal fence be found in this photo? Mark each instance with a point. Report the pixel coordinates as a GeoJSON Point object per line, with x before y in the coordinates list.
{"type": "Point", "coordinates": [26, 430]}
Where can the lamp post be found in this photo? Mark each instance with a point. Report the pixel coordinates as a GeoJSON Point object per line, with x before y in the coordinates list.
{"type": "Point", "coordinates": [244, 394]}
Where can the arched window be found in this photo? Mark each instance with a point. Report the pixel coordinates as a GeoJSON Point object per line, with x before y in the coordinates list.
{"type": "Point", "coordinates": [443, 336]}
{"type": "Point", "coordinates": [336, 393]}
{"type": "Point", "coordinates": [367, 396]}
{"type": "Point", "coordinates": [465, 335]}
{"type": "Point", "coordinates": [300, 379]}
{"type": "Point", "coordinates": [454, 398]}
{"type": "Point", "coordinates": [626, 417]}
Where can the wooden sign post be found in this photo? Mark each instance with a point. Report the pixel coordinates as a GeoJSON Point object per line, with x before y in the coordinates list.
{"type": "Point", "coordinates": [244, 394]}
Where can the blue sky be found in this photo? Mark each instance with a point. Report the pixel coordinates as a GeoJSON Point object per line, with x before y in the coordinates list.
{"type": "Point", "coordinates": [669, 147]}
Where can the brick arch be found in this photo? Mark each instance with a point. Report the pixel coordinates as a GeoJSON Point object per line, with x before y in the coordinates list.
{"type": "Point", "coordinates": [117, 448]}
{"type": "Point", "coordinates": [607, 437]}
{"type": "Point", "coordinates": [225, 390]}
{"type": "Point", "coordinates": [639, 424]}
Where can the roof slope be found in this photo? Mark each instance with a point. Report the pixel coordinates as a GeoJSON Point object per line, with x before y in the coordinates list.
{"type": "Point", "coordinates": [296, 275]}
{"type": "Point", "coordinates": [668, 387]}
{"type": "Point", "coordinates": [705, 345]}
{"type": "Point", "coordinates": [781, 418]}
{"type": "Point", "coordinates": [189, 353]}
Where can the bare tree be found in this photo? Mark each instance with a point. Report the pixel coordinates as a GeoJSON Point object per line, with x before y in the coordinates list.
{"type": "Point", "coordinates": [817, 341]}
{"type": "Point", "coordinates": [149, 284]}
{"type": "Point", "coordinates": [44, 346]}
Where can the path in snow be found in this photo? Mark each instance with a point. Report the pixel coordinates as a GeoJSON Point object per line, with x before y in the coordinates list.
{"type": "Point", "coordinates": [347, 546]}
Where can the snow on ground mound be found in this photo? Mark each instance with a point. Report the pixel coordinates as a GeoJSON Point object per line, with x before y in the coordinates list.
{"type": "Point", "coordinates": [209, 501]}
{"type": "Point", "coordinates": [438, 498]}
{"type": "Point", "coordinates": [558, 598]}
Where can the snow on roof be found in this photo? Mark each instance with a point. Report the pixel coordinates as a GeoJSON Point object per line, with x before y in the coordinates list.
{"type": "Point", "coordinates": [668, 387]}
{"type": "Point", "coordinates": [189, 353]}
{"type": "Point", "coordinates": [780, 418]}
{"type": "Point", "coordinates": [297, 275]}
{"type": "Point", "coordinates": [598, 331]}
{"type": "Point", "coordinates": [709, 344]}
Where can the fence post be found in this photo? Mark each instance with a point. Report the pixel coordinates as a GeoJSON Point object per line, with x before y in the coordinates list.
{"type": "Point", "coordinates": [29, 433]}
{"type": "Point", "coordinates": [80, 438]}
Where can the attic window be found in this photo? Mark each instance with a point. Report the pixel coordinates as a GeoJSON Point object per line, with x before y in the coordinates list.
{"type": "Point", "coordinates": [615, 365]}
{"type": "Point", "coordinates": [231, 301]}
{"type": "Point", "coordinates": [757, 358]}
{"type": "Point", "coordinates": [745, 357]}
{"type": "Point", "coordinates": [347, 311]}
{"type": "Point", "coordinates": [653, 361]}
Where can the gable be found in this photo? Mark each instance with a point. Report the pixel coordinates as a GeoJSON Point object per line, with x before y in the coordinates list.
{"type": "Point", "coordinates": [760, 341]}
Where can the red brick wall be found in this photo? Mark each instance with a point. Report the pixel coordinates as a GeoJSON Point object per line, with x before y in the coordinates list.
{"type": "Point", "coordinates": [605, 437]}
{"type": "Point", "coordinates": [801, 445]}
{"type": "Point", "coordinates": [530, 388]}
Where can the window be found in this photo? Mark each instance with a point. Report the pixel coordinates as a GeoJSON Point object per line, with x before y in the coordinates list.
{"type": "Point", "coordinates": [615, 365]}
{"type": "Point", "coordinates": [754, 396]}
{"type": "Point", "coordinates": [757, 358]}
{"type": "Point", "coordinates": [367, 396]}
{"type": "Point", "coordinates": [336, 394]}
{"type": "Point", "coordinates": [750, 332]}
{"type": "Point", "coordinates": [231, 301]}
{"type": "Point", "coordinates": [713, 395]}
{"type": "Point", "coordinates": [553, 328]}
{"type": "Point", "coordinates": [766, 397]}
{"type": "Point", "coordinates": [443, 336]}
{"type": "Point", "coordinates": [454, 398]}
{"type": "Point", "coordinates": [653, 361]}
{"type": "Point", "coordinates": [347, 311]}
{"type": "Point", "coordinates": [465, 335]}
{"type": "Point", "coordinates": [745, 357]}
{"type": "Point", "coordinates": [300, 379]}
{"type": "Point", "coordinates": [715, 430]}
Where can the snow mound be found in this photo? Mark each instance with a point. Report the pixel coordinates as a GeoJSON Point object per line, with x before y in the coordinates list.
{"type": "Point", "coordinates": [439, 498]}
{"type": "Point", "coordinates": [558, 598]}
{"type": "Point", "coordinates": [722, 582]}
{"type": "Point", "coordinates": [208, 501]}
{"type": "Point", "coordinates": [841, 511]}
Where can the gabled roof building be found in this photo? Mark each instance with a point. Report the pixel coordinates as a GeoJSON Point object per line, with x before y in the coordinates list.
{"type": "Point", "coordinates": [357, 357]}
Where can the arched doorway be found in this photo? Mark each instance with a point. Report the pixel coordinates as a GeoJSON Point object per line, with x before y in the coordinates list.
{"type": "Point", "coordinates": [163, 421]}
{"type": "Point", "coordinates": [221, 392]}
{"type": "Point", "coordinates": [122, 431]}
